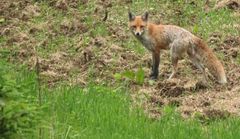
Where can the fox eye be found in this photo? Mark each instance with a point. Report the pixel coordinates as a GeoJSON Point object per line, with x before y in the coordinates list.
{"type": "Point", "coordinates": [134, 26]}
{"type": "Point", "coordinates": [141, 26]}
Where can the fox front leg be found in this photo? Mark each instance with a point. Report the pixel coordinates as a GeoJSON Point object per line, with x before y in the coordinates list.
{"type": "Point", "coordinates": [155, 65]}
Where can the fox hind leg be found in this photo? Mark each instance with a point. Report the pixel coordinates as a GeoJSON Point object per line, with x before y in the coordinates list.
{"type": "Point", "coordinates": [177, 50]}
{"type": "Point", "coordinates": [174, 66]}
{"type": "Point", "coordinates": [197, 63]}
{"type": "Point", "coordinates": [176, 53]}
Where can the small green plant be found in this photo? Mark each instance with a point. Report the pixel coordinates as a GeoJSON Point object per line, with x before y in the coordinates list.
{"type": "Point", "coordinates": [137, 76]}
{"type": "Point", "coordinates": [195, 29]}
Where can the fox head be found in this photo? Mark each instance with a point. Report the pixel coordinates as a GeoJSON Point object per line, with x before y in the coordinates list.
{"type": "Point", "coordinates": [138, 24]}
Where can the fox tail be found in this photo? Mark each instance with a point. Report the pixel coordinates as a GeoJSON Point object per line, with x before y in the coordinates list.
{"type": "Point", "coordinates": [210, 61]}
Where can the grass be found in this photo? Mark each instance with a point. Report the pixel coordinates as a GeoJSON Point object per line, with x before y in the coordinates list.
{"type": "Point", "coordinates": [100, 112]}
{"type": "Point", "coordinates": [97, 111]}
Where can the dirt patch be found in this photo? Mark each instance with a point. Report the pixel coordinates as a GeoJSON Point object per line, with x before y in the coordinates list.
{"type": "Point", "coordinates": [72, 27]}
{"type": "Point", "coordinates": [18, 38]}
{"type": "Point", "coordinates": [215, 114]}
{"type": "Point", "coordinates": [233, 41]}
{"type": "Point", "coordinates": [212, 104]}
{"type": "Point", "coordinates": [170, 88]}
{"type": "Point", "coordinates": [64, 5]}
{"type": "Point", "coordinates": [30, 11]}
{"type": "Point", "coordinates": [20, 9]}
{"type": "Point", "coordinates": [229, 46]}
{"type": "Point", "coordinates": [56, 67]}
{"type": "Point", "coordinates": [231, 4]}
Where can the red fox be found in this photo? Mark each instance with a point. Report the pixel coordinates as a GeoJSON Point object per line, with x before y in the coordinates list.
{"type": "Point", "coordinates": [179, 41]}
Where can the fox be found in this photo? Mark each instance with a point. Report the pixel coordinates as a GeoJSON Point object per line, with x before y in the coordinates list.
{"type": "Point", "coordinates": [180, 42]}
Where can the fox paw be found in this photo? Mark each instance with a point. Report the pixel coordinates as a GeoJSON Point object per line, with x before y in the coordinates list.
{"type": "Point", "coordinates": [153, 77]}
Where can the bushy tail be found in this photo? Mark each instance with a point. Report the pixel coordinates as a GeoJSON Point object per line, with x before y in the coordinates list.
{"type": "Point", "coordinates": [210, 61]}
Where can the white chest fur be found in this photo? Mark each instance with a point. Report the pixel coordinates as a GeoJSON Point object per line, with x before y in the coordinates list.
{"type": "Point", "coordinates": [146, 41]}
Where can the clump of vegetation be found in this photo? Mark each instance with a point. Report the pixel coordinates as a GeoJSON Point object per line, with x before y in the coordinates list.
{"type": "Point", "coordinates": [17, 112]}
{"type": "Point", "coordinates": [137, 76]}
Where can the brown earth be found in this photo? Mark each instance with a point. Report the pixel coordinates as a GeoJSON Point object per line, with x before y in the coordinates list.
{"type": "Point", "coordinates": [102, 58]}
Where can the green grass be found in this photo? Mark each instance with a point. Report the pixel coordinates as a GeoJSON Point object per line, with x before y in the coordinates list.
{"type": "Point", "coordinates": [100, 112]}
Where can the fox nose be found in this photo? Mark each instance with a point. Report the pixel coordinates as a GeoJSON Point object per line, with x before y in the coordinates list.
{"type": "Point", "coordinates": [137, 33]}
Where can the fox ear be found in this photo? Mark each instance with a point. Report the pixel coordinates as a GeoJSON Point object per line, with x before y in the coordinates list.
{"type": "Point", "coordinates": [131, 16]}
{"type": "Point", "coordinates": [145, 16]}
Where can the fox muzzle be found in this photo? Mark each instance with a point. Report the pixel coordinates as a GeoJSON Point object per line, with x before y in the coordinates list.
{"type": "Point", "coordinates": [138, 33]}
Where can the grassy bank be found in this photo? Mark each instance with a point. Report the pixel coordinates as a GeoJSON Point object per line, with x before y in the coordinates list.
{"type": "Point", "coordinates": [100, 112]}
